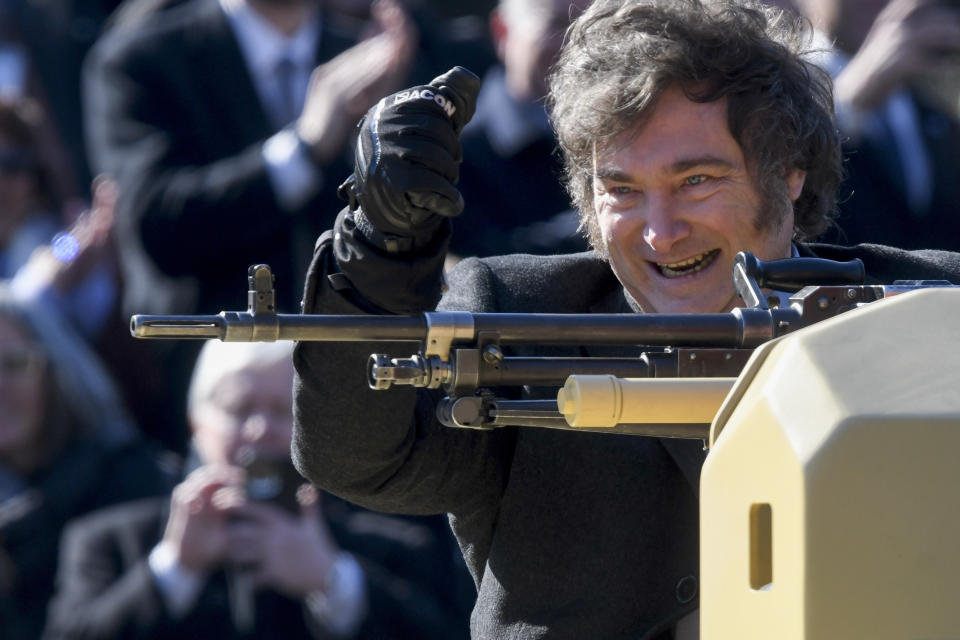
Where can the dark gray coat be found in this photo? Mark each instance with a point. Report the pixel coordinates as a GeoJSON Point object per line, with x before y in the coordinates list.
{"type": "Point", "coordinates": [567, 535]}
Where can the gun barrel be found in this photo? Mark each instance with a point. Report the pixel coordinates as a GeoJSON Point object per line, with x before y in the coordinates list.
{"type": "Point", "coordinates": [711, 329]}
{"type": "Point", "coordinates": [235, 326]}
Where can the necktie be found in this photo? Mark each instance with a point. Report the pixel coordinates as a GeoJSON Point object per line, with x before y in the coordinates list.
{"type": "Point", "coordinates": [287, 108]}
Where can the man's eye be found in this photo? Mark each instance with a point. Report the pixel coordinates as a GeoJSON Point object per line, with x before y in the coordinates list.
{"type": "Point", "coordinates": [621, 191]}
{"type": "Point", "coordinates": [697, 179]}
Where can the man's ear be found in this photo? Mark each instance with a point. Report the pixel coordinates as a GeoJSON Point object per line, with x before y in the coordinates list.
{"type": "Point", "coordinates": [498, 33]}
{"type": "Point", "coordinates": [795, 181]}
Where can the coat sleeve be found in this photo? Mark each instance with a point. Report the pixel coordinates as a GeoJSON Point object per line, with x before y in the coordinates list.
{"type": "Point", "coordinates": [382, 449]}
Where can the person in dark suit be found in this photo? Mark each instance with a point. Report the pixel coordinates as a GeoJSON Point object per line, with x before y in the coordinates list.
{"type": "Point", "coordinates": [691, 130]}
{"type": "Point", "coordinates": [219, 160]}
{"type": "Point", "coordinates": [244, 547]}
{"type": "Point", "coordinates": [223, 125]}
{"type": "Point", "coordinates": [901, 132]}
{"type": "Point", "coordinates": [510, 170]}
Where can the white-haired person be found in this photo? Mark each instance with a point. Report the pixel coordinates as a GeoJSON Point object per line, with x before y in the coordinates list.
{"type": "Point", "coordinates": [244, 547]}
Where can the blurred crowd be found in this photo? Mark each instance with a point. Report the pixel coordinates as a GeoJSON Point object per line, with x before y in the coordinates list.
{"type": "Point", "coordinates": [151, 150]}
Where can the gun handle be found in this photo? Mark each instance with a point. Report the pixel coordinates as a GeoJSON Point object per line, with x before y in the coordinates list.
{"type": "Point", "coordinates": [793, 274]}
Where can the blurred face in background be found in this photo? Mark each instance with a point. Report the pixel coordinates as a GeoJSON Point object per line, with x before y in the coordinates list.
{"type": "Point", "coordinates": [528, 35]}
{"type": "Point", "coordinates": [22, 375]}
{"type": "Point", "coordinates": [249, 412]}
{"type": "Point", "coordinates": [846, 20]}
{"type": "Point", "coordinates": [18, 184]}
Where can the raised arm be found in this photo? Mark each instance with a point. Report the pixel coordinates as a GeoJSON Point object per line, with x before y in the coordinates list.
{"type": "Point", "coordinates": [385, 449]}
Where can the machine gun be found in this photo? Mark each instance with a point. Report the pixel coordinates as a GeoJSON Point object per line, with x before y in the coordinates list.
{"type": "Point", "coordinates": [466, 354]}
{"type": "Point", "coordinates": [828, 501]}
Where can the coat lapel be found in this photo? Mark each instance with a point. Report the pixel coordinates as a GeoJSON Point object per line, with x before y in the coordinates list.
{"type": "Point", "coordinates": [222, 71]}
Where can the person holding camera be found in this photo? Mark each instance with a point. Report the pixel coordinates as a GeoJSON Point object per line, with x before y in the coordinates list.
{"type": "Point", "coordinates": [244, 547]}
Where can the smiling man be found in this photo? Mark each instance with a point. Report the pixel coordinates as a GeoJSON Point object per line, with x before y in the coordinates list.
{"type": "Point", "coordinates": [675, 202]}
{"type": "Point", "coordinates": [690, 130]}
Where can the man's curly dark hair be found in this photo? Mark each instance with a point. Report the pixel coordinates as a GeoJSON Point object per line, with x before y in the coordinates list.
{"type": "Point", "coordinates": [620, 56]}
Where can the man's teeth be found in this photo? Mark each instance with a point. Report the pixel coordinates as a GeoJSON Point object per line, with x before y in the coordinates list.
{"type": "Point", "coordinates": [688, 266]}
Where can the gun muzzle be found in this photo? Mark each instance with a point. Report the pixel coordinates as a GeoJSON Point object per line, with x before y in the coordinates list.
{"type": "Point", "coordinates": [177, 327]}
{"type": "Point", "coordinates": [228, 326]}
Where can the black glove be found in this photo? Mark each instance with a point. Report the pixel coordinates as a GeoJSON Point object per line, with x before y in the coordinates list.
{"type": "Point", "coordinates": [408, 159]}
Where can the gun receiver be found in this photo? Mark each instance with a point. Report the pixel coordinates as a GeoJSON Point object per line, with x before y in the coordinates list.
{"type": "Point", "coordinates": [467, 354]}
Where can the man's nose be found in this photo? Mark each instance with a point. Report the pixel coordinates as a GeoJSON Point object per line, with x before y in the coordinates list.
{"type": "Point", "coordinates": [664, 226]}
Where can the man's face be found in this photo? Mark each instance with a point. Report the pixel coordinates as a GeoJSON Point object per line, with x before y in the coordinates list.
{"type": "Point", "coordinates": [528, 41]}
{"type": "Point", "coordinates": [250, 411]}
{"type": "Point", "coordinates": [675, 203]}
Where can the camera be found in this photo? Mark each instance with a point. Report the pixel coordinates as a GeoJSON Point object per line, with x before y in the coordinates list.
{"type": "Point", "coordinates": [271, 479]}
